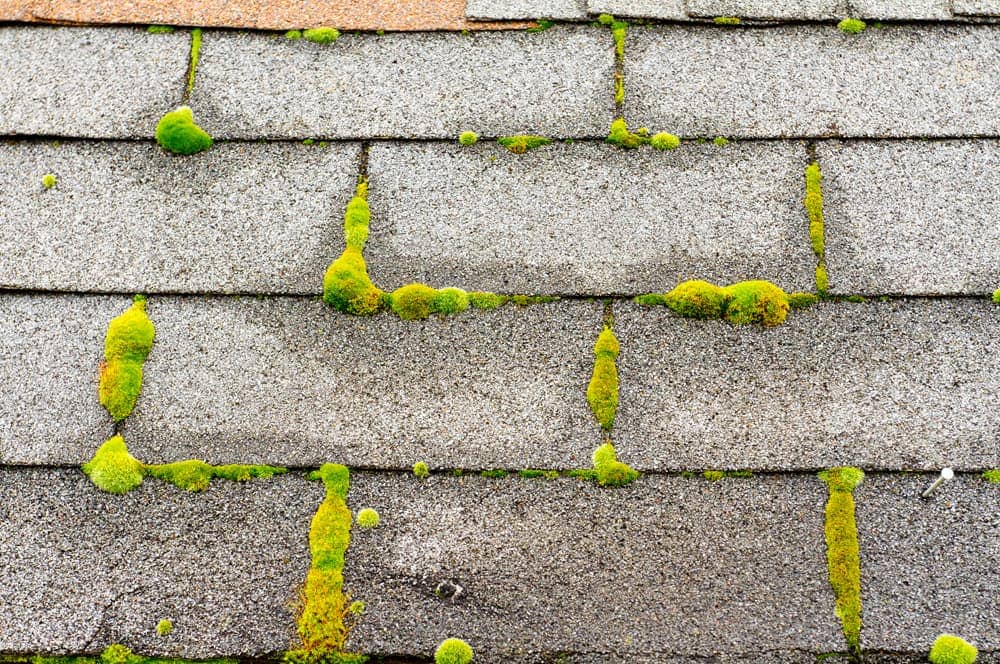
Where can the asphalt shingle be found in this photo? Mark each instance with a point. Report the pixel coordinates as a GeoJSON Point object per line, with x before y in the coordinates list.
{"type": "Point", "coordinates": [89, 82]}
{"type": "Point", "coordinates": [84, 569]}
{"type": "Point", "coordinates": [665, 566]}
{"type": "Point", "coordinates": [587, 218]}
{"type": "Point", "coordinates": [800, 80]}
{"type": "Point", "coordinates": [912, 217]}
{"type": "Point", "coordinates": [663, 9]}
{"type": "Point", "coordinates": [426, 85]}
{"type": "Point", "coordinates": [127, 217]}
{"type": "Point", "coordinates": [525, 9]}
{"type": "Point", "coordinates": [902, 9]}
{"type": "Point", "coordinates": [977, 7]}
{"type": "Point", "coordinates": [768, 9]}
{"type": "Point", "coordinates": [293, 382]}
{"type": "Point", "coordinates": [896, 385]}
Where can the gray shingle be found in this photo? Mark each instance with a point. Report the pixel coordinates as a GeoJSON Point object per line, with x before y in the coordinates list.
{"type": "Point", "coordinates": [293, 382]}
{"type": "Point", "coordinates": [667, 565]}
{"type": "Point", "coordinates": [587, 218]}
{"type": "Point", "coordinates": [902, 9]}
{"type": "Point", "coordinates": [84, 569]}
{"type": "Point", "coordinates": [524, 9]}
{"type": "Point", "coordinates": [428, 85]}
{"type": "Point", "coordinates": [127, 217]}
{"type": "Point", "coordinates": [897, 385]}
{"type": "Point", "coordinates": [50, 349]}
{"type": "Point", "coordinates": [977, 7]}
{"type": "Point", "coordinates": [928, 566]}
{"type": "Point", "coordinates": [768, 9]}
{"type": "Point", "coordinates": [814, 80]}
{"type": "Point", "coordinates": [663, 9]}
{"type": "Point", "coordinates": [89, 82]}
{"type": "Point", "coordinates": [912, 217]}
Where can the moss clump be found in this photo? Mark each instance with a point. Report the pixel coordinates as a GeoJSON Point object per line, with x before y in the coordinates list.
{"type": "Point", "coordinates": [196, 475]}
{"type": "Point", "coordinates": [756, 302]}
{"type": "Point", "coordinates": [697, 299]}
{"type": "Point", "coordinates": [481, 300]}
{"type": "Point", "coordinates": [609, 471]}
{"type": "Point", "coordinates": [727, 20]}
{"type": "Point", "coordinates": [113, 469]}
{"type": "Point", "coordinates": [357, 217]}
{"type": "Point", "coordinates": [495, 473]}
{"type": "Point", "coordinates": [164, 627]}
{"type": "Point", "coordinates": [356, 608]}
{"type": "Point", "coordinates": [413, 301]}
{"type": "Point", "coordinates": [421, 470]}
{"type": "Point", "coordinates": [618, 30]}
{"type": "Point", "coordinates": [605, 19]}
{"type": "Point", "coordinates": [177, 132]}
{"type": "Point", "coordinates": [602, 392]}
{"type": "Point", "coordinates": [293, 34]}
{"type": "Point", "coordinates": [160, 29]}
{"type": "Point", "coordinates": [451, 301]}
{"type": "Point", "coordinates": [842, 552]}
{"type": "Point", "coordinates": [822, 280]}
{"type": "Point", "coordinates": [48, 180]}
{"type": "Point", "coordinates": [951, 649]}
{"type": "Point", "coordinates": [453, 651]}
{"type": "Point", "coordinates": [522, 143]}
{"type": "Point", "coordinates": [346, 284]}
{"type": "Point", "coordinates": [852, 26]}
{"type": "Point", "coordinates": [367, 518]}
{"type": "Point", "coordinates": [814, 207]}
{"type": "Point", "coordinates": [996, 296]}
{"type": "Point", "coordinates": [720, 141]}
{"type": "Point", "coordinates": [620, 135]}
{"type": "Point", "coordinates": [321, 35]}
{"type": "Point", "coordinates": [665, 141]}
{"type": "Point", "coordinates": [992, 476]}
{"type": "Point", "coordinates": [126, 346]}
{"type": "Point", "coordinates": [468, 138]}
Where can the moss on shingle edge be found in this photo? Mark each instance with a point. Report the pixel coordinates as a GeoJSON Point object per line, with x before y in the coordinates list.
{"type": "Point", "coordinates": [842, 550]}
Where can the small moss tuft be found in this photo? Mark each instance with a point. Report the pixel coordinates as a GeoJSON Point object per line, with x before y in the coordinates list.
{"type": "Point", "coordinates": [321, 35]}
{"type": "Point", "coordinates": [843, 556]}
{"type": "Point", "coordinates": [522, 143]}
{"type": "Point", "coordinates": [421, 470]}
{"type": "Point", "coordinates": [620, 135]}
{"type": "Point", "coordinates": [727, 20]}
{"type": "Point", "coordinates": [367, 518]}
{"type": "Point", "coordinates": [605, 19]}
{"type": "Point", "coordinates": [453, 651]}
{"type": "Point", "coordinates": [127, 343]}
{"type": "Point", "coordinates": [951, 649]}
{"type": "Point", "coordinates": [160, 29]}
{"type": "Point", "coordinates": [609, 471]}
{"type": "Point", "coordinates": [992, 476]}
{"type": "Point", "coordinates": [48, 180]}
{"type": "Point", "coordinates": [164, 627]}
{"type": "Point", "coordinates": [720, 141]}
{"type": "Point", "coordinates": [801, 300]}
{"type": "Point", "coordinates": [665, 141]}
{"type": "Point", "coordinates": [195, 54]}
{"type": "Point", "coordinates": [113, 469]}
{"type": "Point", "coordinates": [996, 296]}
{"type": "Point", "coordinates": [602, 391]}
{"type": "Point", "coordinates": [177, 132]}
{"type": "Point", "coordinates": [713, 475]}
{"type": "Point", "coordinates": [293, 34]}
{"type": "Point", "coordinates": [482, 300]}
{"type": "Point", "coordinates": [618, 30]}
{"type": "Point", "coordinates": [543, 25]}
{"type": "Point", "coordinates": [697, 299]}
{"type": "Point", "coordinates": [468, 138]}
{"type": "Point", "coordinates": [356, 608]}
{"type": "Point", "coordinates": [852, 26]}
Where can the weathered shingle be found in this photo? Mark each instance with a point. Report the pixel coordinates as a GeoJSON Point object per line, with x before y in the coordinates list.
{"type": "Point", "coordinates": [664, 9]}
{"type": "Point", "coordinates": [426, 85]}
{"type": "Point", "coordinates": [525, 9]}
{"type": "Point", "coordinates": [89, 82]}
{"type": "Point", "coordinates": [768, 9]}
{"type": "Point", "coordinates": [977, 7]}
{"type": "Point", "coordinates": [588, 218]}
{"type": "Point", "coordinates": [902, 9]}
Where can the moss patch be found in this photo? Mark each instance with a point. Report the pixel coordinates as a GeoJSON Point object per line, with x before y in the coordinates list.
{"type": "Point", "coordinates": [321, 35]}
{"type": "Point", "coordinates": [164, 627]}
{"type": "Point", "coordinates": [951, 649]}
{"type": "Point", "coordinates": [293, 34]}
{"type": "Point", "coordinates": [346, 284]}
{"type": "Point", "coordinates": [602, 392]}
{"type": "Point", "coordinates": [852, 26]}
{"type": "Point", "coordinates": [522, 143]}
{"type": "Point", "coordinates": [195, 54]}
{"type": "Point", "coordinates": [126, 346]}
{"type": "Point", "coordinates": [534, 473]}
{"type": "Point", "coordinates": [468, 138]}
{"type": "Point", "coordinates": [116, 654]}
{"type": "Point", "coordinates": [842, 552]}
{"type": "Point", "coordinates": [608, 470]}
{"type": "Point", "coordinates": [727, 20]}
{"type": "Point", "coordinates": [160, 29]}
{"type": "Point", "coordinates": [741, 303]}
{"type": "Point", "coordinates": [453, 651]}
{"type": "Point", "coordinates": [420, 470]}
{"type": "Point", "coordinates": [177, 132]}
{"type": "Point", "coordinates": [113, 469]}
{"type": "Point", "coordinates": [620, 135]}
{"type": "Point", "coordinates": [618, 30]}
{"type": "Point", "coordinates": [48, 180]}
{"type": "Point", "coordinates": [716, 475]}
{"type": "Point", "coordinates": [996, 296]}
{"type": "Point", "coordinates": [992, 476]}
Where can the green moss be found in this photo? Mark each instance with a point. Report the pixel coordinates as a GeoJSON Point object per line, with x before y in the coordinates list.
{"type": "Point", "coordinates": [992, 476]}
{"type": "Point", "coordinates": [527, 300]}
{"type": "Point", "coordinates": [801, 300]}
{"type": "Point", "coordinates": [356, 608]}
{"type": "Point", "coordinates": [497, 473]}
{"type": "Point", "coordinates": [619, 88]}
{"type": "Point", "coordinates": [843, 556]}
{"type": "Point", "coordinates": [367, 518]}
{"type": "Point", "coordinates": [665, 141]}
{"type": "Point", "coordinates": [113, 469]}
{"type": "Point", "coordinates": [413, 301]}
{"type": "Point", "coordinates": [468, 138]}
{"type": "Point", "coordinates": [196, 475]}
{"type": "Point", "coordinates": [620, 135]}
{"type": "Point", "coordinates": [456, 472]}
{"type": "Point", "coordinates": [609, 471]}
{"type": "Point", "coordinates": [160, 29]}
{"type": "Point", "coordinates": [697, 299]}
{"type": "Point", "coordinates": [716, 475]}
{"type": "Point", "coordinates": [602, 392]}
{"type": "Point", "coordinates": [951, 649]}
{"type": "Point", "coordinates": [453, 651]}
{"type": "Point", "coordinates": [356, 220]}
{"type": "Point", "coordinates": [126, 346]}
{"type": "Point", "coordinates": [177, 132]}
{"type": "Point", "coordinates": [756, 302]}
{"type": "Point", "coordinates": [347, 287]}
{"type": "Point", "coordinates": [164, 627]}
{"type": "Point", "coordinates": [814, 207]}
{"type": "Point", "coordinates": [293, 34]}
{"type": "Point", "coordinates": [542, 26]}
{"type": "Point", "coordinates": [48, 180]}
{"type": "Point", "coordinates": [727, 20]}
{"type": "Point", "coordinates": [451, 301]}
{"type": "Point", "coordinates": [618, 30]}
{"type": "Point", "coordinates": [421, 470]}
{"type": "Point", "coordinates": [822, 281]}
{"type": "Point", "coordinates": [532, 473]}
{"type": "Point", "coordinates": [522, 143]}
{"type": "Point", "coordinates": [195, 54]}
{"type": "Point", "coordinates": [605, 19]}
{"type": "Point", "coordinates": [720, 141]}
{"type": "Point", "coordinates": [321, 35]}
{"type": "Point", "coordinates": [852, 26]}
{"type": "Point", "coordinates": [996, 296]}
{"type": "Point", "coordinates": [481, 300]}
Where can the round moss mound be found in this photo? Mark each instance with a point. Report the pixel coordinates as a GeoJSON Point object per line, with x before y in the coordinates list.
{"type": "Point", "coordinates": [321, 35]}
{"type": "Point", "coordinates": [453, 651]}
{"type": "Point", "coordinates": [177, 132]}
{"type": "Point", "coordinates": [697, 299]}
{"type": "Point", "coordinates": [347, 287]}
{"type": "Point", "coordinates": [451, 301]}
{"type": "Point", "coordinates": [756, 302]}
{"type": "Point", "coordinates": [951, 649]}
{"type": "Point", "coordinates": [468, 138]}
{"type": "Point", "coordinates": [113, 469]}
{"type": "Point", "coordinates": [367, 518]}
{"type": "Point", "coordinates": [413, 301]}
{"type": "Point", "coordinates": [665, 141]}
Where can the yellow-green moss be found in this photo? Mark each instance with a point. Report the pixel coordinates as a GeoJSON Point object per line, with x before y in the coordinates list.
{"type": "Point", "coordinates": [727, 20]}
{"type": "Point", "coordinates": [620, 135]}
{"type": "Point", "coordinates": [114, 654]}
{"type": "Point", "coordinates": [195, 475]}
{"type": "Point", "coordinates": [321, 35]}
{"type": "Point", "coordinates": [716, 475]}
{"type": "Point", "coordinates": [420, 470]}
{"type": "Point", "coordinates": [48, 180]}
{"type": "Point", "coordinates": [697, 299]}
{"type": "Point", "coordinates": [482, 300]}
{"type": "Point", "coordinates": [608, 470]}
{"type": "Point", "coordinates": [293, 34]}
{"type": "Point", "coordinates": [605, 19]}
{"type": "Point", "coordinates": [602, 392]}
{"type": "Point", "coordinates": [801, 300]}
{"type": "Point", "coordinates": [164, 627]}
{"type": "Point", "coordinates": [618, 30]}
{"type": "Point", "coordinates": [346, 284]}
{"type": "Point", "coordinates": [756, 302]}
{"type": "Point", "coordinates": [992, 476]}
{"type": "Point", "coordinates": [413, 301]}
{"type": "Point", "coordinates": [357, 217]}
{"type": "Point", "coordinates": [160, 29]}
{"type": "Point", "coordinates": [453, 651]}
{"type": "Point", "coordinates": [177, 132]}
{"type": "Point", "coordinates": [195, 53]}
{"type": "Point", "coordinates": [494, 473]}
{"type": "Point", "coordinates": [720, 141]}
{"type": "Point", "coordinates": [522, 143]}
{"type": "Point", "coordinates": [814, 207]}
{"type": "Point", "coordinates": [534, 473]}
{"type": "Point", "coordinates": [468, 138]}
{"type": "Point", "coordinates": [822, 281]}
{"type": "Point", "coordinates": [367, 518]}
{"type": "Point", "coordinates": [843, 556]}
{"type": "Point", "coordinates": [619, 88]}
{"type": "Point", "coordinates": [126, 346]}
{"type": "Point", "coordinates": [113, 469]}
{"type": "Point", "coordinates": [852, 26]}
{"type": "Point", "coordinates": [450, 301]}
{"type": "Point", "coordinates": [996, 296]}
{"type": "Point", "coordinates": [951, 649]}
{"type": "Point", "coordinates": [664, 141]}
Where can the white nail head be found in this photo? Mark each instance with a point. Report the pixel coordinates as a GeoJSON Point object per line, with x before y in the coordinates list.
{"type": "Point", "coordinates": [947, 474]}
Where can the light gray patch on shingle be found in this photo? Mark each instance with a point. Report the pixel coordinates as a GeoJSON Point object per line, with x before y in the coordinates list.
{"type": "Point", "coordinates": [802, 80]}
{"type": "Point", "coordinates": [127, 217]}
{"type": "Point", "coordinates": [912, 217]}
{"type": "Point", "coordinates": [768, 9]}
{"type": "Point", "coordinates": [587, 218]}
{"type": "Point", "coordinates": [666, 565]}
{"type": "Point", "coordinates": [896, 385]}
{"type": "Point", "coordinates": [503, 10]}
{"type": "Point", "coordinates": [902, 9]}
{"type": "Point", "coordinates": [415, 85]}
{"type": "Point", "coordinates": [293, 382]}
{"type": "Point", "coordinates": [50, 351]}
{"type": "Point", "coordinates": [977, 7]}
{"type": "Point", "coordinates": [89, 82]}
{"type": "Point", "coordinates": [928, 566]}
{"type": "Point", "coordinates": [84, 569]}
{"type": "Point", "coordinates": [662, 9]}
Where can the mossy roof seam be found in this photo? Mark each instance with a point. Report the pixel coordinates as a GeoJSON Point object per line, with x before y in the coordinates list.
{"type": "Point", "coordinates": [192, 72]}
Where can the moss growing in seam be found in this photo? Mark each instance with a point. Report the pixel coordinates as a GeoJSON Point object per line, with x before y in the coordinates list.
{"type": "Point", "coordinates": [801, 300]}
{"type": "Point", "coordinates": [843, 556]}
{"type": "Point", "coordinates": [727, 20]}
{"type": "Point", "coordinates": [118, 654]}
{"type": "Point", "coordinates": [453, 651]}
{"type": "Point", "coordinates": [602, 392]}
{"type": "Point", "coordinates": [542, 26]}
{"type": "Point", "coordinates": [951, 649]}
{"type": "Point", "coordinates": [620, 135]}
{"type": "Point", "coordinates": [113, 469]}
{"type": "Point", "coordinates": [293, 34]}
{"type": "Point", "coordinates": [497, 473]}
{"type": "Point", "coordinates": [532, 473]}
{"type": "Point", "coordinates": [720, 141]}
{"type": "Point", "coordinates": [195, 54]}
{"type": "Point", "coordinates": [716, 475]}
{"type": "Point", "coordinates": [420, 470]}
{"type": "Point", "coordinates": [618, 30]}
{"type": "Point", "coordinates": [605, 19]}
{"type": "Point", "coordinates": [322, 35]}
{"type": "Point", "coordinates": [664, 141]}
{"type": "Point", "coordinates": [741, 303]}
{"type": "Point", "coordinates": [126, 346]}
{"type": "Point", "coordinates": [814, 207]}
{"type": "Point", "coordinates": [619, 88]}
{"type": "Point", "coordinates": [822, 280]}
{"type": "Point", "coordinates": [522, 143]}
{"type": "Point", "coordinates": [346, 284]}
{"type": "Point", "coordinates": [468, 138]}
{"type": "Point", "coordinates": [852, 26]}
{"type": "Point", "coordinates": [608, 470]}
{"type": "Point", "coordinates": [996, 296]}
{"type": "Point", "coordinates": [177, 132]}
{"type": "Point", "coordinates": [482, 300]}
{"type": "Point", "coordinates": [992, 476]}
{"type": "Point", "coordinates": [160, 29]}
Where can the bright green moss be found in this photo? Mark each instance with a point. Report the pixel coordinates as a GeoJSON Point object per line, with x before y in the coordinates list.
{"type": "Point", "coordinates": [605, 19]}
{"type": "Point", "coordinates": [697, 299]}
{"type": "Point", "coordinates": [619, 88]}
{"type": "Point", "coordinates": [293, 34]}
{"type": "Point", "coordinates": [801, 300]}
{"type": "Point", "coordinates": [453, 651]}
{"type": "Point", "coordinates": [542, 26]}
{"type": "Point", "coordinates": [421, 470]}
{"type": "Point", "coordinates": [720, 141]}
{"type": "Point", "coordinates": [713, 475]}
{"type": "Point", "coordinates": [992, 476]}
{"type": "Point", "coordinates": [177, 132]}
{"type": "Point", "coordinates": [522, 143]}
{"type": "Point", "coordinates": [651, 299]}
{"type": "Point", "coordinates": [113, 469]}
{"type": "Point", "coordinates": [496, 473]}
{"type": "Point", "coordinates": [951, 649]}
{"type": "Point", "coordinates": [756, 302]}
{"type": "Point", "coordinates": [196, 475]}
{"type": "Point", "coordinates": [367, 518]}
{"type": "Point", "coordinates": [481, 300]}
{"type": "Point", "coordinates": [468, 138]}
{"type": "Point", "coordinates": [843, 556]}
{"type": "Point", "coordinates": [451, 301]}
{"type": "Point", "coordinates": [814, 208]}
{"type": "Point", "coordinates": [164, 627]}
{"type": "Point", "coordinates": [602, 392]}
{"type": "Point", "coordinates": [852, 26]}
{"type": "Point", "coordinates": [160, 29]}
{"type": "Point", "coordinates": [413, 301]}
{"type": "Point", "coordinates": [618, 30]}
{"type": "Point", "coordinates": [348, 288]}
{"type": "Point", "coordinates": [356, 220]}
{"type": "Point", "coordinates": [727, 20]}
{"type": "Point", "coordinates": [822, 281]}
{"type": "Point", "coordinates": [321, 35]}
{"type": "Point", "coordinates": [665, 141]}
{"type": "Point", "coordinates": [532, 473]}
{"type": "Point", "coordinates": [620, 135]}
{"type": "Point", "coordinates": [609, 471]}
{"type": "Point", "coordinates": [48, 180]}
{"type": "Point", "coordinates": [996, 296]}
{"type": "Point", "coordinates": [126, 346]}
{"type": "Point", "coordinates": [195, 54]}
{"type": "Point", "coordinates": [356, 608]}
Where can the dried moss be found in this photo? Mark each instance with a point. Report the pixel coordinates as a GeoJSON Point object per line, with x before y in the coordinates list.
{"type": "Point", "coordinates": [843, 555]}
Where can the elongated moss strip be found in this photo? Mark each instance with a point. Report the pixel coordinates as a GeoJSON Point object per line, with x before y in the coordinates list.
{"type": "Point", "coordinates": [620, 135]}
{"type": "Point", "coordinates": [814, 207]}
{"type": "Point", "coordinates": [321, 623]}
{"type": "Point", "coordinates": [842, 553]}
{"type": "Point", "coordinates": [522, 143]}
{"type": "Point", "coordinates": [195, 53]}
{"type": "Point", "coordinates": [126, 346]}
{"type": "Point", "coordinates": [741, 303]}
{"type": "Point", "coordinates": [113, 654]}
{"type": "Point", "coordinates": [115, 470]}
{"type": "Point", "coordinates": [602, 392]}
